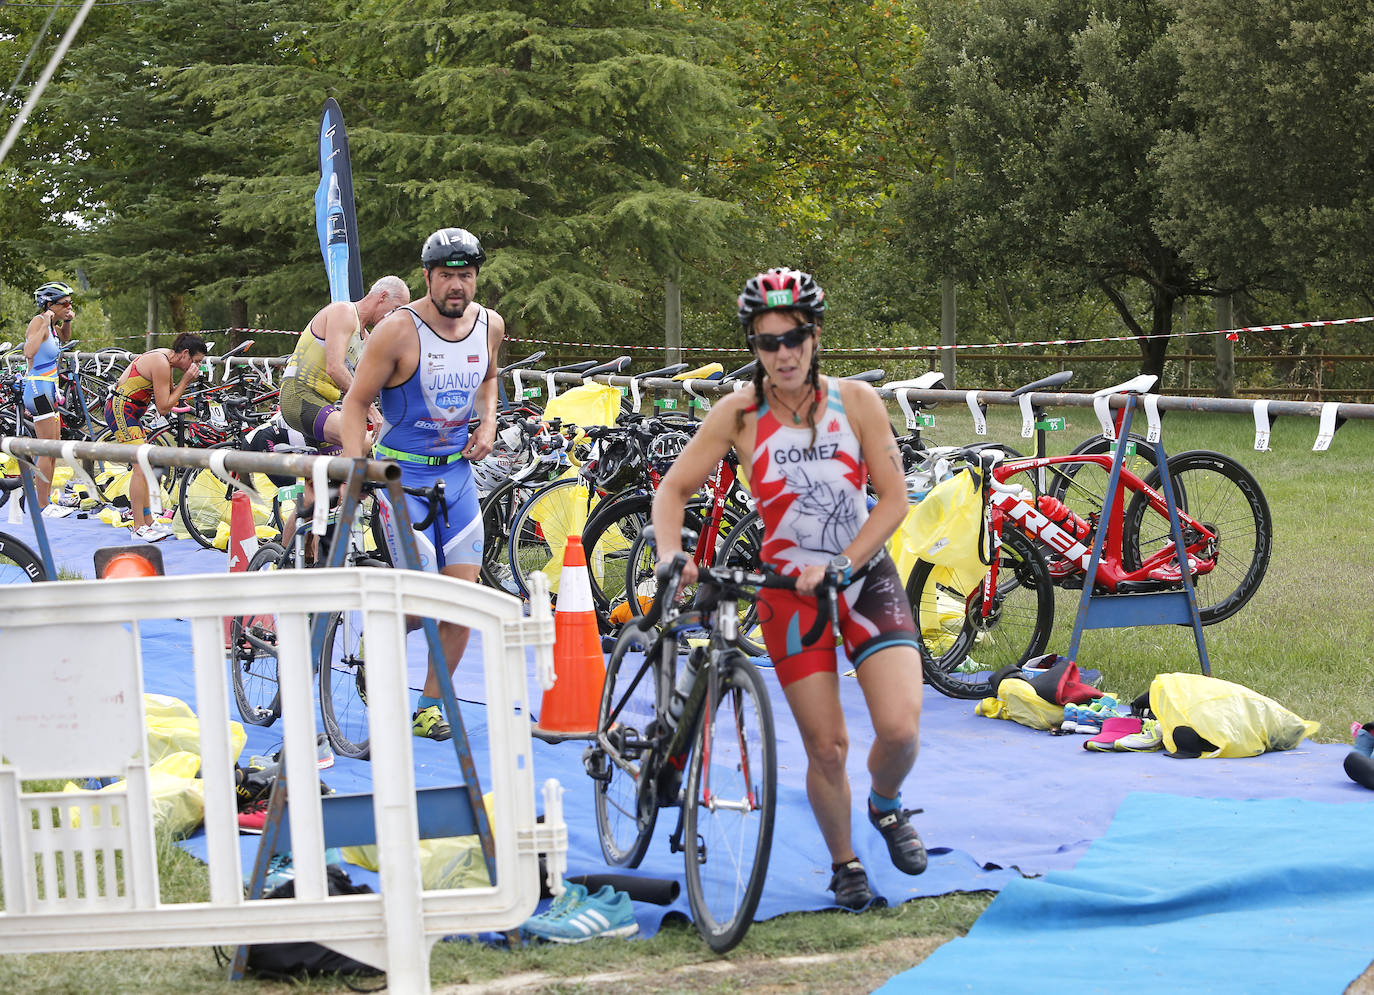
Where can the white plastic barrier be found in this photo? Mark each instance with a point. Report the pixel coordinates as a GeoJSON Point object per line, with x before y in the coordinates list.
{"type": "Point", "coordinates": [72, 706]}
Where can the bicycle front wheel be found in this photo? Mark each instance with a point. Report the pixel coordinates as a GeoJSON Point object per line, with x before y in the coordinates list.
{"type": "Point", "coordinates": [1083, 486]}
{"type": "Point", "coordinates": [961, 645]}
{"type": "Point", "coordinates": [730, 805]}
{"type": "Point", "coordinates": [253, 652]}
{"type": "Point", "coordinates": [540, 528]}
{"type": "Point", "coordinates": [18, 563]}
{"type": "Point", "coordinates": [621, 762]}
{"type": "Point", "coordinates": [343, 684]}
{"type": "Point", "coordinates": [1216, 491]}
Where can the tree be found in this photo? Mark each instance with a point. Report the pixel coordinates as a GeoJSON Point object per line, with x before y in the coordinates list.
{"type": "Point", "coordinates": [565, 139]}
{"type": "Point", "coordinates": [153, 154]}
{"type": "Point", "coordinates": [1051, 110]}
{"type": "Point", "coordinates": [1272, 187]}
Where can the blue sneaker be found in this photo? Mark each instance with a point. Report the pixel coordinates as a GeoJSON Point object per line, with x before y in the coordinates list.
{"type": "Point", "coordinates": [573, 894]}
{"type": "Point", "coordinates": [588, 917]}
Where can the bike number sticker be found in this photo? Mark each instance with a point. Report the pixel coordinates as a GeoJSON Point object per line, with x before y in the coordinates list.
{"type": "Point", "coordinates": [217, 417]}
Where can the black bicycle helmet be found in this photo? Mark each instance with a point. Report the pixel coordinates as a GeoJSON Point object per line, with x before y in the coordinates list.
{"type": "Point", "coordinates": [780, 288]}
{"type": "Point", "coordinates": [50, 293]}
{"type": "Point", "coordinates": [452, 247]}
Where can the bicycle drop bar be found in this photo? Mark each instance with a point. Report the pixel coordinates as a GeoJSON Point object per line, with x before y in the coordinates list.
{"type": "Point", "coordinates": [713, 579]}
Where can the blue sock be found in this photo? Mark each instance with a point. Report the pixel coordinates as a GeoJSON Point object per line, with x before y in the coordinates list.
{"type": "Point", "coordinates": [426, 702]}
{"type": "Point", "coordinates": [883, 804]}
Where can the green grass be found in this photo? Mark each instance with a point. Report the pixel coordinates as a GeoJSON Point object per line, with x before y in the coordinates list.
{"type": "Point", "coordinates": [1302, 640]}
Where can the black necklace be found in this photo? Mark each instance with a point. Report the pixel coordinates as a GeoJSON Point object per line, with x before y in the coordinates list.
{"type": "Point", "coordinates": [796, 414]}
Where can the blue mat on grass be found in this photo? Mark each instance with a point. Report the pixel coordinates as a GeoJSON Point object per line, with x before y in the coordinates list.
{"type": "Point", "coordinates": [1182, 894]}
{"type": "Point", "coordinates": [999, 800]}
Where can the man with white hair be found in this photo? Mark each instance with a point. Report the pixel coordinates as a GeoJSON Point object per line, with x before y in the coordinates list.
{"type": "Point", "coordinates": [320, 370]}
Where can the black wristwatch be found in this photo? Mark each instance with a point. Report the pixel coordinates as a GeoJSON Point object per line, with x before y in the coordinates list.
{"type": "Point", "coordinates": [842, 565]}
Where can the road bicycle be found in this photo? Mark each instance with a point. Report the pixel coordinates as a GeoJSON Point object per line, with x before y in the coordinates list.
{"type": "Point", "coordinates": [674, 708]}
{"type": "Point", "coordinates": [971, 623]}
{"type": "Point", "coordinates": [341, 665]}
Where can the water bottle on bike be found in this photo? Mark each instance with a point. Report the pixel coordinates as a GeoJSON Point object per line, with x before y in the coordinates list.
{"type": "Point", "coordinates": [1063, 516]}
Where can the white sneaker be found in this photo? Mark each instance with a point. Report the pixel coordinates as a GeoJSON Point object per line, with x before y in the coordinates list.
{"type": "Point", "coordinates": [57, 511]}
{"type": "Point", "coordinates": [153, 533]}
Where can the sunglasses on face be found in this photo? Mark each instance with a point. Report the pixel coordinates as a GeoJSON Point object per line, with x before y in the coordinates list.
{"type": "Point", "coordinates": [792, 338]}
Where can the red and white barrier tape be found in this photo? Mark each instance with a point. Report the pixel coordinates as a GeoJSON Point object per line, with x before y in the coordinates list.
{"type": "Point", "coordinates": [1231, 333]}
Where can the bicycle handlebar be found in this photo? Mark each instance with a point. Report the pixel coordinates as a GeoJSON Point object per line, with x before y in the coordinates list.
{"type": "Point", "coordinates": [713, 579]}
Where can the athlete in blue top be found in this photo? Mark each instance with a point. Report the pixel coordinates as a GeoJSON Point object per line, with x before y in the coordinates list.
{"type": "Point", "coordinates": [434, 364]}
{"type": "Point", "coordinates": [48, 331]}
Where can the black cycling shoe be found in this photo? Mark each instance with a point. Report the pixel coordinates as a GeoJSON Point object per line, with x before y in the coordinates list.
{"type": "Point", "coordinates": [851, 888]}
{"type": "Point", "coordinates": [903, 844]}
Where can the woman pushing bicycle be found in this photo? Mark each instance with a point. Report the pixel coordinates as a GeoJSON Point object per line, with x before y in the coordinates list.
{"type": "Point", "coordinates": [813, 443]}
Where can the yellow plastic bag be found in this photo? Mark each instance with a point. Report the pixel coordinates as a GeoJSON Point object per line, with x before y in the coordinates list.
{"type": "Point", "coordinates": [1018, 701]}
{"type": "Point", "coordinates": [451, 862]}
{"type": "Point", "coordinates": [173, 728]}
{"type": "Point", "coordinates": [178, 796]}
{"type": "Point", "coordinates": [1238, 721]}
{"type": "Point", "coordinates": [943, 528]}
{"type": "Point", "coordinates": [591, 403]}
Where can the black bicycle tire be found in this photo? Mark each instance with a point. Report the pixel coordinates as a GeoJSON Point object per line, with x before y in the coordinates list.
{"type": "Point", "coordinates": [342, 744]}
{"type": "Point", "coordinates": [518, 528]}
{"type": "Point", "coordinates": [190, 519]}
{"type": "Point", "coordinates": [630, 850]}
{"type": "Point", "coordinates": [1022, 557]}
{"type": "Point", "coordinates": [1262, 549]}
{"type": "Point", "coordinates": [498, 509]}
{"type": "Point", "coordinates": [14, 550]}
{"type": "Point", "coordinates": [737, 677]}
{"type": "Point", "coordinates": [99, 467]}
{"type": "Point", "coordinates": [250, 711]}
{"type": "Point", "coordinates": [621, 507]}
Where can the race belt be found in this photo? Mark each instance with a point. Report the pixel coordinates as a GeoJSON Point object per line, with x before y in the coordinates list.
{"type": "Point", "coordinates": [404, 457]}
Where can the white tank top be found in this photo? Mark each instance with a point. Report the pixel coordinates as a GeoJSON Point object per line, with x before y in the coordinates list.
{"type": "Point", "coordinates": [811, 496]}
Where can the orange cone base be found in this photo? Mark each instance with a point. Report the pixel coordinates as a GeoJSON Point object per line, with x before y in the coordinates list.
{"type": "Point", "coordinates": [569, 709]}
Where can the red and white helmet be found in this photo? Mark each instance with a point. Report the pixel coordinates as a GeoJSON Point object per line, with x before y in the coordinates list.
{"type": "Point", "coordinates": [781, 288]}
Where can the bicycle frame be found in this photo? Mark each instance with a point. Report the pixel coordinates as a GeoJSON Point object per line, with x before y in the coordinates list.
{"type": "Point", "coordinates": [1008, 505]}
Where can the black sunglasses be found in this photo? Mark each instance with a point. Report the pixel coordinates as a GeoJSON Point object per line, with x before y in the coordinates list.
{"type": "Point", "coordinates": [792, 338]}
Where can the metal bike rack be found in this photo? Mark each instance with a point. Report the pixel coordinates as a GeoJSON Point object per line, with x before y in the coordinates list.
{"type": "Point", "coordinates": [1115, 611]}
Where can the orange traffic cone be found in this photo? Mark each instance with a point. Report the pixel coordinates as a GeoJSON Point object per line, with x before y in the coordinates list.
{"type": "Point", "coordinates": [243, 542]}
{"type": "Point", "coordinates": [243, 535]}
{"type": "Point", "coordinates": [570, 707]}
{"type": "Point", "coordinates": [116, 562]}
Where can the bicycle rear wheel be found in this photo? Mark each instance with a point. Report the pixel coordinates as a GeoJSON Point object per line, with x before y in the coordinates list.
{"type": "Point", "coordinates": [730, 805]}
{"type": "Point", "coordinates": [343, 684]}
{"type": "Point", "coordinates": [622, 762]}
{"type": "Point", "coordinates": [1217, 491]}
{"type": "Point", "coordinates": [253, 652]}
{"type": "Point", "coordinates": [960, 648]}
{"type": "Point", "coordinates": [206, 502]}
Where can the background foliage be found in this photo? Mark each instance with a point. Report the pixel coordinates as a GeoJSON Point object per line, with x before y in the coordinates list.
{"type": "Point", "coordinates": [1081, 167]}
